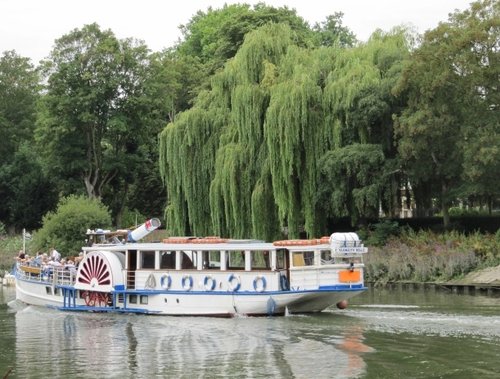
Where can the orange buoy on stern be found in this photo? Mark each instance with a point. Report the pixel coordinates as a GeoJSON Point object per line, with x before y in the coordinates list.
{"type": "Point", "coordinates": [342, 304]}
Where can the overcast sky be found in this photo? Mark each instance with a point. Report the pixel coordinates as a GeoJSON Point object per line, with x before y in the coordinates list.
{"type": "Point", "coordinates": [31, 26]}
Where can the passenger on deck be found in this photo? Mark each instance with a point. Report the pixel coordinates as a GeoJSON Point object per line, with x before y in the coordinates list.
{"type": "Point", "coordinates": [37, 261]}
{"type": "Point", "coordinates": [55, 255]}
{"type": "Point", "coordinates": [21, 256]}
{"type": "Point", "coordinates": [78, 259]}
{"type": "Point", "coordinates": [70, 265]}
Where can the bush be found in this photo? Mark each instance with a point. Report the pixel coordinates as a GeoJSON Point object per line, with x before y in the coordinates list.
{"type": "Point", "coordinates": [427, 256]}
{"type": "Point", "coordinates": [379, 233]}
{"type": "Point", "coordinates": [131, 219]}
{"type": "Point", "coordinates": [65, 228]}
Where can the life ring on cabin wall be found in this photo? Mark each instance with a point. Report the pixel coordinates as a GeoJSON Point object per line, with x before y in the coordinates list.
{"type": "Point", "coordinates": [209, 283]}
{"type": "Point", "coordinates": [165, 282]}
{"type": "Point", "coordinates": [234, 282]}
{"type": "Point", "coordinates": [187, 282]}
{"type": "Point", "coordinates": [259, 283]}
{"type": "Point", "coordinates": [295, 242]}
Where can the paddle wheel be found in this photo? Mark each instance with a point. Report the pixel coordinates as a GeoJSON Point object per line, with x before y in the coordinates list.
{"type": "Point", "coordinates": [97, 299]}
{"type": "Point", "coordinates": [98, 274]}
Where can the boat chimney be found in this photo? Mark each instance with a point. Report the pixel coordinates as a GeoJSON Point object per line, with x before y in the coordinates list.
{"type": "Point", "coordinates": [143, 230]}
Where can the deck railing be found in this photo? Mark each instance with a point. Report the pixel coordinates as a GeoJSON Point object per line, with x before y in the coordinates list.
{"type": "Point", "coordinates": [54, 275]}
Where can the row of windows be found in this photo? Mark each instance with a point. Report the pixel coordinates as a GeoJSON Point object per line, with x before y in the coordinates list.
{"type": "Point", "coordinates": [211, 259]}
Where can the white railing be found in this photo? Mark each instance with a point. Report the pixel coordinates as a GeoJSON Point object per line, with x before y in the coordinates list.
{"type": "Point", "coordinates": [53, 275]}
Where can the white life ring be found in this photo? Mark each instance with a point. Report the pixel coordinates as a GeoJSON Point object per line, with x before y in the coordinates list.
{"type": "Point", "coordinates": [234, 282]}
{"type": "Point", "coordinates": [209, 283]}
{"type": "Point", "coordinates": [165, 282]}
{"type": "Point", "coordinates": [187, 282]}
{"type": "Point", "coordinates": [259, 283]}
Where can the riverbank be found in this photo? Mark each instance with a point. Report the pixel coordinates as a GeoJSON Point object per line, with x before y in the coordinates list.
{"type": "Point", "coordinates": [488, 277]}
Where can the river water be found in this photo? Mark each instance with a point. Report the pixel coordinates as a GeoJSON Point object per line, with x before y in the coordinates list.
{"type": "Point", "coordinates": [398, 333]}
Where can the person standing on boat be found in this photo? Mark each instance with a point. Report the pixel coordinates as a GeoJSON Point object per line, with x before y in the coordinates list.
{"type": "Point", "coordinates": [55, 255]}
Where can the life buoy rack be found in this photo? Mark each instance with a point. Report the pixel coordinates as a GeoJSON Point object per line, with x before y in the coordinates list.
{"type": "Point", "coordinates": [209, 283]}
{"type": "Point", "coordinates": [259, 283]}
{"type": "Point", "coordinates": [165, 282]}
{"type": "Point", "coordinates": [324, 239]}
{"type": "Point", "coordinates": [187, 282]}
{"type": "Point", "coordinates": [296, 242]}
{"type": "Point", "coordinates": [177, 240]}
{"type": "Point", "coordinates": [234, 282]}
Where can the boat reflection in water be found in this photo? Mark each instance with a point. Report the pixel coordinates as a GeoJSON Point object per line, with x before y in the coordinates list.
{"type": "Point", "coordinates": [57, 344]}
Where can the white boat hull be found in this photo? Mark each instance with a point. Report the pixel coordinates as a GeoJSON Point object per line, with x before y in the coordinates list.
{"type": "Point", "coordinates": [180, 303]}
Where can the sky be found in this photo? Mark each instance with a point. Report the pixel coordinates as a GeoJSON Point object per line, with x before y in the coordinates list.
{"type": "Point", "coordinates": [30, 27]}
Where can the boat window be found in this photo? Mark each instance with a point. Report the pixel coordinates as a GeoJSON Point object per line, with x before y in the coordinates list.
{"type": "Point", "coordinates": [280, 259]}
{"type": "Point", "coordinates": [144, 299]}
{"type": "Point", "coordinates": [214, 259]}
{"type": "Point", "coordinates": [167, 260]}
{"type": "Point", "coordinates": [326, 257]}
{"type": "Point", "coordinates": [260, 259]}
{"type": "Point", "coordinates": [147, 259]}
{"type": "Point", "coordinates": [236, 260]}
{"type": "Point", "coordinates": [303, 258]}
{"type": "Point", "coordinates": [132, 299]}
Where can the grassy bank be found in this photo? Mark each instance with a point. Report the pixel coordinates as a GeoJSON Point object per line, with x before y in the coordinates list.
{"type": "Point", "coordinates": [428, 257]}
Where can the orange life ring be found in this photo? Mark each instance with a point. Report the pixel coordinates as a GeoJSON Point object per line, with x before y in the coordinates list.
{"type": "Point", "coordinates": [295, 242]}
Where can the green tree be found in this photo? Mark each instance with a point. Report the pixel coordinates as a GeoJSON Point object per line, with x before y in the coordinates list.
{"type": "Point", "coordinates": [331, 32]}
{"type": "Point", "coordinates": [94, 126]}
{"type": "Point", "coordinates": [20, 179]}
{"type": "Point", "coordinates": [352, 181]}
{"type": "Point", "coordinates": [253, 142]}
{"type": "Point", "coordinates": [451, 82]}
{"type": "Point", "coordinates": [19, 86]}
{"type": "Point", "coordinates": [216, 35]}
{"type": "Point", "coordinates": [27, 194]}
{"type": "Point", "coordinates": [65, 228]}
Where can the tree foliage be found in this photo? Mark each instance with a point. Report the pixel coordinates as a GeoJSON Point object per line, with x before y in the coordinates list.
{"type": "Point", "coordinates": [19, 86]}
{"type": "Point", "coordinates": [451, 82]}
{"type": "Point", "coordinates": [281, 107]}
{"type": "Point", "coordinates": [95, 125]}
{"type": "Point", "coordinates": [65, 228]}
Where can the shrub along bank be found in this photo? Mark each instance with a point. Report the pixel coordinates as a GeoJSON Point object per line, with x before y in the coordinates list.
{"type": "Point", "coordinates": [427, 256]}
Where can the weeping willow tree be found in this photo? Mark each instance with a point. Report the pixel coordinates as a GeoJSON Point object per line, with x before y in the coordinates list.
{"type": "Point", "coordinates": [293, 128]}
{"type": "Point", "coordinates": [241, 199]}
{"type": "Point", "coordinates": [245, 160]}
{"type": "Point", "coordinates": [187, 152]}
